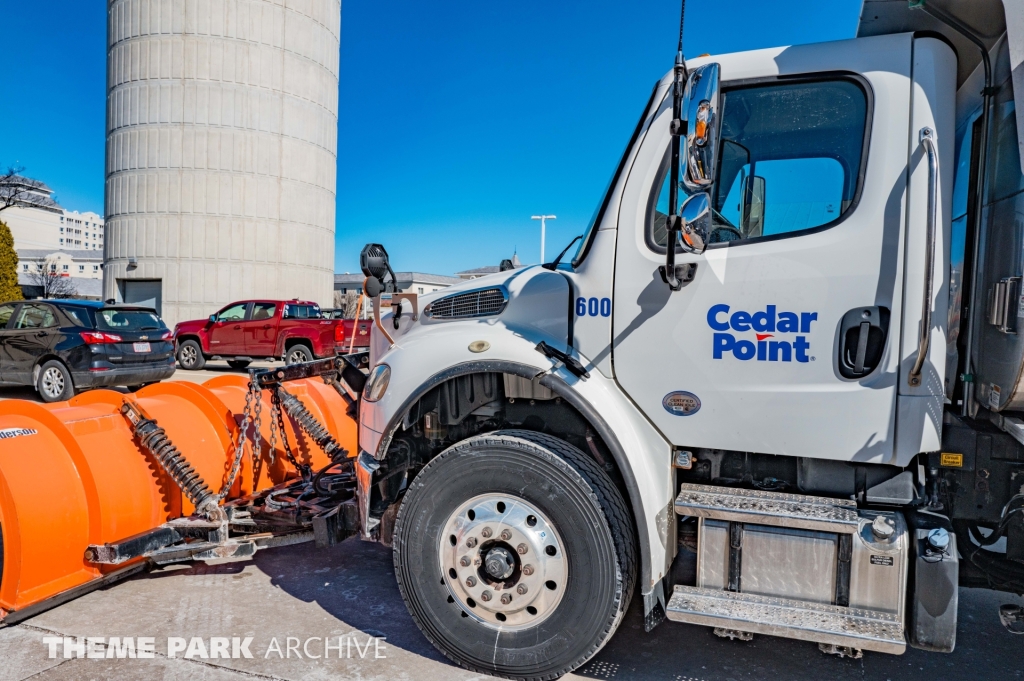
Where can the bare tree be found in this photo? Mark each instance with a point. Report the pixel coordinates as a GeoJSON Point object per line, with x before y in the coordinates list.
{"type": "Point", "coordinates": [52, 284]}
{"type": "Point", "coordinates": [18, 190]}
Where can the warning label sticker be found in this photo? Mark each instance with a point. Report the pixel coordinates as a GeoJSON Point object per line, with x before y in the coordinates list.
{"type": "Point", "coordinates": [881, 560]}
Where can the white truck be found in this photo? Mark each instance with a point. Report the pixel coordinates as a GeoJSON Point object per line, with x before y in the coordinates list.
{"type": "Point", "coordinates": [777, 390]}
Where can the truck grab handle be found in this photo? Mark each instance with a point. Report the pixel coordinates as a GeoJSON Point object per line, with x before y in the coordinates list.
{"type": "Point", "coordinates": [928, 141]}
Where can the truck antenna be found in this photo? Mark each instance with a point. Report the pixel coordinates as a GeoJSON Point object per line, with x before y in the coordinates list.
{"type": "Point", "coordinates": [678, 127]}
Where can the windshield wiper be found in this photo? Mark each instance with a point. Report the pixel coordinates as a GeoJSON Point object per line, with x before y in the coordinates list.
{"type": "Point", "coordinates": [554, 263]}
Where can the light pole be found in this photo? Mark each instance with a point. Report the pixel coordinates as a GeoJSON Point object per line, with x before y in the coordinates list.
{"type": "Point", "coordinates": [542, 218]}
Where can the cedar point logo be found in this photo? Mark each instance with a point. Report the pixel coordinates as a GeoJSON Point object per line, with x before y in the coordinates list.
{"type": "Point", "coordinates": [765, 324]}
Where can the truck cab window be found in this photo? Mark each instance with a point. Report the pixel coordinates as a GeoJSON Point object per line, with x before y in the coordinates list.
{"type": "Point", "coordinates": [232, 314]}
{"type": "Point", "coordinates": [790, 160]}
{"type": "Point", "coordinates": [263, 310]}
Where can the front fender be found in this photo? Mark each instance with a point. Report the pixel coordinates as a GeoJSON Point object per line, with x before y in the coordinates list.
{"type": "Point", "coordinates": [642, 455]}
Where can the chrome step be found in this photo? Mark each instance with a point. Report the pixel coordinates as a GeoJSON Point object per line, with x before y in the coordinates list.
{"type": "Point", "coordinates": [829, 624]}
{"type": "Point", "coordinates": [768, 508]}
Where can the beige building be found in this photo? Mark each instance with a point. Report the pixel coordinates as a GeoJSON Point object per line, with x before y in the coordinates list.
{"type": "Point", "coordinates": [81, 231]}
{"type": "Point", "coordinates": [82, 269]}
{"type": "Point", "coordinates": [37, 221]}
{"type": "Point", "coordinates": [221, 152]}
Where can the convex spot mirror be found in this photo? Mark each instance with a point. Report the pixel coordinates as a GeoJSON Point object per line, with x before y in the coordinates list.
{"type": "Point", "coordinates": [696, 222]}
{"type": "Point", "coordinates": [700, 145]}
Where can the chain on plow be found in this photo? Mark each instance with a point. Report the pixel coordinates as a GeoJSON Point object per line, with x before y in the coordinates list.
{"type": "Point", "coordinates": [155, 440]}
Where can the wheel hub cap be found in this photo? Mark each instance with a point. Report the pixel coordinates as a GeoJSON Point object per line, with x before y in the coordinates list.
{"type": "Point", "coordinates": [500, 563]}
{"type": "Point", "coordinates": [53, 382]}
{"type": "Point", "coordinates": [503, 561]}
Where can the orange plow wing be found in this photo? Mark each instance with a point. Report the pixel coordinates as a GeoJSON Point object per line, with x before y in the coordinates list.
{"type": "Point", "coordinates": [73, 474]}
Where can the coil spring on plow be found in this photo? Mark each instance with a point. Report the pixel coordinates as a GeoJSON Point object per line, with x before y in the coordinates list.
{"type": "Point", "coordinates": [294, 510]}
{"type": "Point", "coordinates": [155, 440]}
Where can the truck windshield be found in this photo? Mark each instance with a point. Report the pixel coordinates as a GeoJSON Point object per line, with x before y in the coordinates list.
{"type": "Point", "coordinates": [128, 320]}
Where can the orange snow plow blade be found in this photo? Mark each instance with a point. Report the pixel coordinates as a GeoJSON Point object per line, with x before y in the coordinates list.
{"type": "Point", "coordinates": [75, 474]}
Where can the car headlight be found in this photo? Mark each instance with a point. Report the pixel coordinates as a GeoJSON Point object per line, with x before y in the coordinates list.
{"type": "Point", "coordinates": [377, 383]}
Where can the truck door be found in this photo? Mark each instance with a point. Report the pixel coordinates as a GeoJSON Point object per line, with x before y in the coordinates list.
{"type": "Point", "coordinates": [226, 334]}
{"type": "Point", "coordinates": [261, 330]}
{"type": "Point", "coordinates": [787, 339]}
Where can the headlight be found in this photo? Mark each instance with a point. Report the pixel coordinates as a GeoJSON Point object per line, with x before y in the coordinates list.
{"type": "Point", "coordinates": [377, 383]}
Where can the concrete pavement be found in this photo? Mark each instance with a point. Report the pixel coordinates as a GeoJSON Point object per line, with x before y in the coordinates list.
{"type": "Point", "coordinates": [349, 591]}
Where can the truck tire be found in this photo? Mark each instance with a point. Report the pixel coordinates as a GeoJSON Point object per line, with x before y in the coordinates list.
{"type": "Point", "coordinates": [190, 356]}
{"type": "Point", "coordinates": [53, 382]}
{"type": "Point", "coordinates": [507, 541]}
{"type": "Point", "coordinates": [238, 364]}
{"type": "Point", "coordinates": [297, 354]}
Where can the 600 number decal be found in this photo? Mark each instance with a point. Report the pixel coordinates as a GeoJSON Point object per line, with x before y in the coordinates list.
{"type": "Point", "coordinates": [594, 307]}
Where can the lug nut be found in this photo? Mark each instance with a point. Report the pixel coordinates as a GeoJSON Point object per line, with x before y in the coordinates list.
{"type": "Point", "coordinates": [527, 570]}
{"type": "Point", "coordinates": [485, 596]}
{"type": "Point", "coordinates": [506, 535]}
{"type": "Point", "coordinates": [471, 542]}
{"type": "Point", "coordinates": [522, 588]}
{"type": "Point", "coordinates": [486, 532]}
{"type": "Point", "coordinates": [464, 561]}
{"type": "Point", "coordinates": [522, 549]}
{"type": "Point", "coordinates": [470, 581]}
{"type": "Point", "coordinates": [506, 599]}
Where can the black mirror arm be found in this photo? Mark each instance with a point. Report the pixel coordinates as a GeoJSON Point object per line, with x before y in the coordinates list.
{"type": "Point", "coordinates": [669, 272]}
{"type": "Point", "coordinates": [677, 128]}
{"type": "Point", "coordinates": [554, 263]}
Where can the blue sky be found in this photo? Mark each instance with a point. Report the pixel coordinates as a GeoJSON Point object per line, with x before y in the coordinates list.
{"type": "Point", "coordinates": [458, 119]}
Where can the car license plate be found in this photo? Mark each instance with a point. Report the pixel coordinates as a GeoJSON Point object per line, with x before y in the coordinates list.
{"type": "Point", "coordinates": [141, 347]}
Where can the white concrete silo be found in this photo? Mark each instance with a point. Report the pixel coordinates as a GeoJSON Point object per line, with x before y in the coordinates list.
{"type": "Point", "coordinates": [221, 151]}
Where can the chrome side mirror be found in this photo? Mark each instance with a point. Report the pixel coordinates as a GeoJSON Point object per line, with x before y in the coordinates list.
{"type": "Point", "coordinates": [696, 222]}
{"type": "Point", "coordinates": [701, 108]}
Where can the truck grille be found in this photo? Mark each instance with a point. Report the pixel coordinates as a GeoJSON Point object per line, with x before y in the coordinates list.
{"type": "Point", "coordinates": [481, 303]}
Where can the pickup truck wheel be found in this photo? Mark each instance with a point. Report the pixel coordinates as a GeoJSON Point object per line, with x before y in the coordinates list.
{"type": "Point", "coordinates": [190, 356]}
{"type": "Point", "coordinates": [238, 364]}
{"type": "Point", "coordinates": [505, 542]}
{"type": "Point", "coordinates": [53, 382]}
{"type": "Point", "coordinates": [298, 354]}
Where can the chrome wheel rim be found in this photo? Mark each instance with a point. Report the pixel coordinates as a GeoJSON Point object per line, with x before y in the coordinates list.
{"type": "Point", "coordinates": [503, 561]}
{"type": "Point", "coordinates": [53, 382]}
{"type": "Point", "coordinates": [296, 357]}
{"type": "Point", "coordinates": [188, 355]}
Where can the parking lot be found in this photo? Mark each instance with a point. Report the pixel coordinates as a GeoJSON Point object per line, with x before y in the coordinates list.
{"type": "Point", "coordinates": [212, 369]}
{"type": "Point", "coordinates": [349, 591]}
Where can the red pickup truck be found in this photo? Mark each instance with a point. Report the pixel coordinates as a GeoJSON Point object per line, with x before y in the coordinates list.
{"type": "Point", "coordinates": [292, 330]}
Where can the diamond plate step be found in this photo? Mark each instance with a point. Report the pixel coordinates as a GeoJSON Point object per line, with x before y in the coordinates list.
{"type": "Point", "coordinates": [768, 508]}
{"type": "Point", "coordinates": [818, 623]}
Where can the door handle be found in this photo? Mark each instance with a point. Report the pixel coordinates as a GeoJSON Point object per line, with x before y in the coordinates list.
{"type": "Point", "coordinates": [928, 142]}
{"type": "Point", "coordinates": [267, 326]}
{"type": "Point", "coordinates": [42, 333]}
{"type": "Point", "coordinates": [862, 335]}
{"type": "Point", "coordinates": [238, 326]}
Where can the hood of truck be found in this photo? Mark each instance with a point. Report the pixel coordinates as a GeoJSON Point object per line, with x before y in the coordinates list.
{"type": "Point", "coordinates": [537, 306]}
